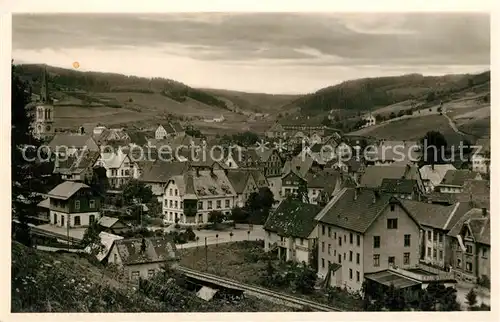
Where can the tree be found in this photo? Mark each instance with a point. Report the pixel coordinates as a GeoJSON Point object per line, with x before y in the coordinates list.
{"type": "Point", "coordinates": [98, 181]}
{"type": "Point", "coordinates": [136, 190]}
{"type": "Point", "coordinates": [392, 115]}
{"type": "Point", "coordinates": [27, 176]}
{"type": "Point", "coordinates": [215, 217]}
{"type": "Point", "coordinates": [92, 239]}
{"type": "Point", "coordinates": [305, 279]}
{"type": "Point", "coordinates": [431, 97]}
{"type": "Point", "coordinates": [471, 298]}
{"type": "Point", "coordinates": [433, 147]}
{"type": "Point", "coordinates": [258, 205]}
{"type": "Point", "coordinates": [239, 215]}
{"type": "Point", "coordinates": [302, 193]}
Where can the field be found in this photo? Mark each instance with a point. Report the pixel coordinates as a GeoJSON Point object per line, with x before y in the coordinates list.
{"type": "Point", "coordinates": [247, 262]}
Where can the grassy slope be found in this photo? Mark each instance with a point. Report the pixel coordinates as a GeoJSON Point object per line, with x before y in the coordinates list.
{"type": "Point", "coordinates": [49, 282]}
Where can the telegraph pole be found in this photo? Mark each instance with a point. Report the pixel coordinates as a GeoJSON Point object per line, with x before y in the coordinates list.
{"type": "Point", "coordinates": [206, 254]}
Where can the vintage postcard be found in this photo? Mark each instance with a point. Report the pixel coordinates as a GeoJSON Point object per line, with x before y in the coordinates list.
{"type": "Point", "coordinates": [250, 162]}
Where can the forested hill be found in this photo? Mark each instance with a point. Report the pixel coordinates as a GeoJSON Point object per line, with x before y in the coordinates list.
{"type": "Point", "coordinates": [370, 93]}
{"type": "Point", "coordinates": [71, 80]}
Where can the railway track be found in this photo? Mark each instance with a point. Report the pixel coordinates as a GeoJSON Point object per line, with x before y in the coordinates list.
{"type": "Point", "coordinates": [256, 289]}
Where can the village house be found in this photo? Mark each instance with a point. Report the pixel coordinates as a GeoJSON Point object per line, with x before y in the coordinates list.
{"type": "Point", "coordinates": [393, 152]}
{"type": "Point", "coordinates": [295, 172]}
{"type": "Point", "coordinates": [374, 175]}
{"type": "Point", "coordinates": [291, 229]}
{"type": "Point", "coordinates": [163, 131]}
{"type": "Point", "coordinates": [361, 231]}
{"type": "Point", "coordinates": [158, 175]}
{"type": "Point", "coordinates": [73, 205]}
{"type": "Point", "coordinates": [113, 225]}
{"type": "Point", "coordinates": [119, 169]}
{"type": "Point", "coordinates": [401, 188]}
{"type": "Point", "coordinates": [272, 163]}
{"type": "Point", "coordinates": [142, 257]}
{"type": "Point", "coordinates": [432, 175]}
{"type": "Point", "coordinates": [436, 221]}
{"type": "Point", "coordinates": [115, 137]}
{"type": "Point", "coordinates": [454, 180]}
{"type": "Point", "coordinates": [471, 246]}
{"type": "Point", "coordinates": [355, 168]}
{"type": "Point", "coordinates": [189, 198]}
{"type": "Point", "coordinates": [243, 183]}
{"type": "Point", "coordinates": [481, 156]}
{"type": "Point", "coordinates": [65, 144]}
{"type": "Point", "coordinates": [76, 167]}
{"type": "Point", "coordinates": [369, 119]}
{"type": "Point", "coordinates": [327, 180]}
{"type": "Point", "coordinates": [107, 241]}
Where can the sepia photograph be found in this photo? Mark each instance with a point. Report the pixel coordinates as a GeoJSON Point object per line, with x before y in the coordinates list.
{"type": "Point", "coordinates": [250, 162]}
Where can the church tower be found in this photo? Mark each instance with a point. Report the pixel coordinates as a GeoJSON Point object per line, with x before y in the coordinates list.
{"type": "Point", "coordinates": [44, 117]}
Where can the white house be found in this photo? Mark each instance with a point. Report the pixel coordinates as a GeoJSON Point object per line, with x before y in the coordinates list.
{"type": "Point", "coordinates": [432, 175]}
{"type": "Point", "coordinates": [200, 191]}
{"type": "Point", "coordinates": [370, 120]}
{"type": "Point", "coordinates": [454, 180]}
{"type": "Point", "coordinates": [481, 157]}
{"type": "Point", "coordinates": [119, 169]}
{"type": "Point", "coordinates": [164, 131]}
{"type": "Point", "coordinates": [243, 183]}
{"type": "Point", "coordinates": [291, 230]}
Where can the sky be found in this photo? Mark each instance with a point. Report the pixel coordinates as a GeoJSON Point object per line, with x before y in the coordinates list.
{"type": "Point", "coordinates": [279, 53]}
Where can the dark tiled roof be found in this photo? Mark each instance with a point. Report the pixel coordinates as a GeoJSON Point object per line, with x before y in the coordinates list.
{"type": "Point", "coordinates": [259, 178]}
{"type": "Point", "coordinates": [398, 185]}
{"type": "Point", "coordinates": [137, 137]}
{"type": "Point", "coordinates": [478, 223]}
{"type": "Point", "coordinates": [322, 179]}
{"type": "Point", "coordinates": [374, 175]}
{"type": "Point", "coordinates": [69, 140]}
{"type": "Point", "coordinates": [293, 218]}
{"type": "Point", "coordinates": [477, 191]}
{"type": "Point", "coordinates": [238, 179]}
{"type": "Point", "coordinates": [156, 250]}
{"type": "Point", "coordinates": [458, 177]}
{"type": "Point", "coordinates": [355, 214]}
{"type": "Point", "coordinates": [442, 198]}
{"type": "Point", "coordinates": [435, 215]}
{"type": "Point", "coordinates": [168, 127]}
{"type": "Point", "coordinates": [162, 171]}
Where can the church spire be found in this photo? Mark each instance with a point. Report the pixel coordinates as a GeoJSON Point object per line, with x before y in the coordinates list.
{"type": "Point", "coordinates": [44, 90]}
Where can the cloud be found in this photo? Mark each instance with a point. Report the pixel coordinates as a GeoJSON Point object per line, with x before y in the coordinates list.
{"type": "Point", "coordinates": [264, 40]}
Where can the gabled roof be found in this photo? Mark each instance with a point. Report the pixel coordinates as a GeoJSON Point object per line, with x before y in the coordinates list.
{"type": "Point", "coordinates": [300, 165]}
{"type": "Point", "coordinates": [477, 191]}
{"type": "Point", "coordinates": [70, 140]}
{"type": "Point", "coordinates": [259, 178]}
{"type": "Point", "coordinates": [322, 179]}
{"type": "Point", "coordinates": [374, 175]}
{"type": "Point", "coordinates": [162, 171]}
{"type": "Point", "coordinates": [113, 160]}
{"type": "Point", "coordinates": [356, 214]}
{"type": "Point", "coordinates": [478, 224]}
{"type": "Point", "coordinates": [292, 218]}
{"type": "Point", "coordinates": [76, 164]}
{"type": "Point", "coordinates": [238, 179]}
{"type": "Point", "coordinates": [157, 249]}
{"type": "Point", "coordinates": [205, 183]}
{"type": "Point", "coordinates": [436, 175]}
{"type": "Point", "coordinates": [168, 127]}
{"type": "Point", "coordinates": [107, 241]}
{"type": "Point", "coordinates": [66, 189]}
{"type": "Point", "coordinates": [405, 186]}
{"type": "Point", "coordinates": [108, 222]}
{"type": "Point", "coordinates": [458, 177]}
{"type": "Point", "coordinates": [434, 215]}
{"type": "Point", "coordinates": [138, 137]}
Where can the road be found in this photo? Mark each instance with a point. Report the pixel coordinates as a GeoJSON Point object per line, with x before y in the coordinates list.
{"type": "Point", "coordinates": [239, 234]}
{"type": "Point", "coordinates": [453, 125]}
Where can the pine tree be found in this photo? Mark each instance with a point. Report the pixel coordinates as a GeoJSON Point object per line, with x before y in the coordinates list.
{"type": "Point", "coordinates": [27, 170]}
{"type": "Point", "coordinates": [471, 298]}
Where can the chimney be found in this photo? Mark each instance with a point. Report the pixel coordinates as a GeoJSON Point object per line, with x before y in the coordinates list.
{"type": "Point", "coordinates": [485, 212]}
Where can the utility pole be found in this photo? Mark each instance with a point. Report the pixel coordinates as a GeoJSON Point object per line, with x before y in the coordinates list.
{"type": "Point", "coordinates": [67, 228]}
{"type": "Point", "coordinates": [206, 254]}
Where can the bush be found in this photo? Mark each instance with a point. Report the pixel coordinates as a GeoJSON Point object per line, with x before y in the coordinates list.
{"type": "Point", "coordinates": [484, 281]}
{"type": "Point", "coordinates": [190, 235]}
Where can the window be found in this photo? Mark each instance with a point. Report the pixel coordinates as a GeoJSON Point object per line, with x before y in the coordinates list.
{"type": "Point", "coordinates": [350, 238]}
{"type": "Point", "coordinates": [392, 260]}
{"type": "Point", "coordinates": [392, 207]}
{"type": "Point", "coordinates": [435, 236]}
{"type": "Point", "coordinates": [135, 275]}
{"type": "Point", "coordinates": [429, 235]}
{"type": "Point", "coordinates": [91, 218]}
{"type": "Point", "coordinates": [376, 260]}
{"type": "Point", "coordinates": [345, 238]}
{"type": "Point", "coordinates": [440, 254]}
{"type": "Point", "coordinates": [340, 241]}
{"type": "Point", "coordinates": [334, 252]}
{"type": "Point", "coordinates": [329, 264]}
{"type": "Point", "coordinates": [376, 241]}
{"type": "Point", "coordinates": [209, 204]}
{"type": "Point", "coordinates": [335, 235]}
{"type": "Point", "coordinates": [226, 203]}
{"type": "Point", "coordinates": [459, 263]}
{"type": "Point", "coordinates": [323, 262]}
{"type": "Point", "coordinates": [314, 191]}
{"type": "Point", "coordinates": [392, 223]}
{"type": "Point", "coordinates": [350, 256]}
{"type": "Point", "coordinates": [322, 247]}
{"type": "Point", "coordinates": [176, 192]}
{"type": "Point", "coordinates": [302, 241]}
{"type": "Point", "coordinates": [77, 221]}
{"type": "Point", "coordinates": [357, 276]}
{"type": "Point", "coordinates": [358, 240]}
{"type": "Point", "coordinates": [440, 237]}
{"type": "Point", "coordinates": [170, 191]}
{"type": "Point", "coordinates": [468, 266]}
{"type": "Point", "coordinates": [218, 202]}
{"type": "Point", "coordinates": [170, 204]}
{"type": "Point", "coordinates": [434, 253]}
{"type": "Point", "coordinates": [329, 232]}
{"type": "Point", "coordinates": [407, 240]}
{"type": "Point", "coordinates": [323, 230]}
{"type": "Point", "coordinates": [91, 203]}
{"type": "Point", "coordinates": [428, 252]}
{"type": "Point", "coordinates": [340, 259]}
{"type": "Point", "coordinates": [485, 252]}
{"type": "Point", "coordinates": [329, 248]}
{"type": "Point", "coordinates": [344, 256]}
{"type": "Point", "coordinates": [468, 249]}
{"type": "Point", "coordinates": [115, 258]}
{"type": "Point", "coordinates": [200, 204]}
{"type": "Point", "coordinates": [406, 258]}
{"type": "Point", "coordinates": [357, 258]}
{"type": "Point", "coordinates": [151, 272]}
{"type": "Point", "coordinates": [77, 204]}
{"type": "Point", "coordinates": [176, 205]}
{"type": "Point", "coordinates": [350, 273]}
